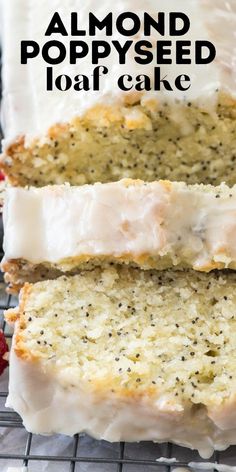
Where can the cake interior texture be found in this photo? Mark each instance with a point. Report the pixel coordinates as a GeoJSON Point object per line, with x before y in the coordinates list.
{"type": "Point", "coordinates": [178, 141]}
{"type": "Point", "coordinates": [165, 341]}
{"type": "Point", "coordinates": [139, 328]}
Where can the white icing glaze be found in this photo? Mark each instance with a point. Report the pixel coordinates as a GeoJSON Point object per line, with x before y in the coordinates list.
{"type": "Point", "coordinates": [167, 460]}
{"type": "Point", "coordinates": [17, 469]}
{"type": "Point", "coordinates": [30, 110]}
{"type": "Point", "coordinates": [212, 465]}
{"type": "Point", "coordinates": [186, 223]}
{"type": "Point", "coordinates": [48, 404]}
{"type": "Point", "coordinates": [180, 469]}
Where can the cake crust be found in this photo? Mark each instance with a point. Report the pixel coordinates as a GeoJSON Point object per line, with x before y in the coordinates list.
{"type": "Point", "coordinates": [106, 146]}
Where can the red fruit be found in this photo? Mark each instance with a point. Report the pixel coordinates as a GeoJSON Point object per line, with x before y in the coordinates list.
{"type": "Point", "coordinates": [3, 349]}
{"type": "Point", "coordinates": [2, 176]}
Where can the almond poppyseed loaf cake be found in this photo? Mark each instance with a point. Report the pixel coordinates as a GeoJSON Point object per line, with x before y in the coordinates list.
{"type": "Point", "coordinates": [132, 355]}
{"type": "Point", "coordinates": [163, 224]}
{"type": "Point", "coordinates": [86, 137]}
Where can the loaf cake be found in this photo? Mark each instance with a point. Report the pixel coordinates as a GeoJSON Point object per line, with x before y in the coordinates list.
{"type": "Point", "coordinates": [85, 137]}
{"type": "Point", "coordinates": [130, 355]}
{"type": "Point", "coordinates": [162, 224]}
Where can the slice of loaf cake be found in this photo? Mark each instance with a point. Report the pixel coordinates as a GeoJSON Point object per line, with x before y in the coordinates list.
{"type": "Point", "coordinates": [130, 355]}
{"type": "Point", "coordinates": [60, 229]}
{"type": "Point", "coordinates": [88, 136]}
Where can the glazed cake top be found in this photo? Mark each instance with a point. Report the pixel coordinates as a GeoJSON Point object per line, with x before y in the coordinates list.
{"type": "Point", "coordinates": [194, 225]}
{"type": "Point", "coordinates": [29, 109]}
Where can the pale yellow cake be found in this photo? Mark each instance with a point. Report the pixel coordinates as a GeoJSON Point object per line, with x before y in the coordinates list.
{"type": "Point", "coordinates": [124, 354]}
{"type": "Point", "coordinates": [86, 137]}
